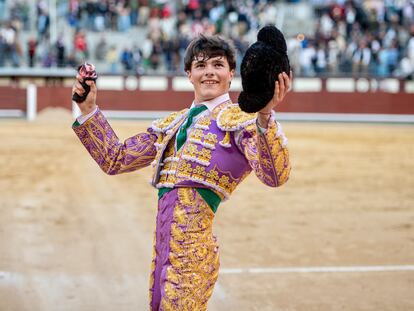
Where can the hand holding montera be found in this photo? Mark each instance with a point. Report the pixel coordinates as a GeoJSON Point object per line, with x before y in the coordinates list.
{"type": "Point", "coordinates": [264, 73]}
{"type": "Point", "coordinates": [282, 87]}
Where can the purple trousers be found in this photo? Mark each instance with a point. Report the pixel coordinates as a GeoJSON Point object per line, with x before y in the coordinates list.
{"type": "Point", "coordinates": [185, 264]}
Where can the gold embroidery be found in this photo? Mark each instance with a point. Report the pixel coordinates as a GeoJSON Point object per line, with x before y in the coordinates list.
{"type": "Point", "coordinates": [199, 172]}
{"type": "Point", "coordinates": [111, 155]}
{"type": "Point", "coordinates": [225, 142]}
{"type": "Point", "coordinates": [185, 169]}
{"type": "Point", "coordinates": [203, 123]}
{"type": "Point", "coordinates": [166, 153]}
{"type": "Point", "coordinates": [159, 139]}
{"type": "Point", "coordinates": [266, 155]}
{"type": "Point", "coordinates": [169, 151]}
{"type": "Point", "coordinates": [196, 134]}
{"type": "Point", "coordinates": [213, 175]}
{"type": "Point", "coordinates": [214, 178]}
{"type": "Point", "coordinates": [163, 179]}
{"type": "Point", "coordinates": [205, 155]}
{"type": "Point", "coordinates": [164, 124]}
{"type": "Point", "coordinates": [218, 108]}
{"type": "Point", "coordinates": [190, 152]}
{"type": "Point", "coordinates": [224, 180]}
{"type": "Point", "coordinates": [193, 255]}
{"type": "Point", "coordinates": [198, 137]}
{"type": "Point", "coordinates": [210, 138]}
{"type": "Point", "coordinates": [151, 281]}
{"type": "Point", "coordinates": [232, 118]}
{"type": "Point", "coordinates": [264, 152]}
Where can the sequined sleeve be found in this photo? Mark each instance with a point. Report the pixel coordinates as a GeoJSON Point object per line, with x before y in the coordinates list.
{"type": "Point", "coordinates": [112, 156]}
{"type": "Point", "coordinates": [266, 152]}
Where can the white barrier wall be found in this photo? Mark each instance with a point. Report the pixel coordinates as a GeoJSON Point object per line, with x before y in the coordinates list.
{"type": "Point", "coordinates": [31, 99]}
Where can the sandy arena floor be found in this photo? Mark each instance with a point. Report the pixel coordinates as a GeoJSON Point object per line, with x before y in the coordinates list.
{"type": "Point", "coordinates": [74, 239]}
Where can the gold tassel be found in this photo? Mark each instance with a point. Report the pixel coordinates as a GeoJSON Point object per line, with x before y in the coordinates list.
{"type": "Point", "coordinates": [225, 142]}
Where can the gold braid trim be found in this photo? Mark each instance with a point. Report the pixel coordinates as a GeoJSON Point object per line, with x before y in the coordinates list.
{"type": "Point", "coordinates": [231, 118]}
{"type": "Point", "coordinates": [193, 255]}
{"type": "Point", "coordinates": [164, 124]}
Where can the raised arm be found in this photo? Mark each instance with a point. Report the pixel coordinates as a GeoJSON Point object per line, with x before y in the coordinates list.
{"type": "Point", "coordinates": [264, 145]}
{"type": "Point", "coordinates": [112, 156]}
{"type": "Point", "coordinates": [100, 140]}
{"type": "Point", "coordinates": [266, 152]}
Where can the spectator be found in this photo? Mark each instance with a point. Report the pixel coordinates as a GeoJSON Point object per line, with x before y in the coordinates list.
{"type": "Point", "coordinates": [47, 57]}
{"type": "Point", "coordinates": [386, 28]}
{"type": "Point", "coordinates": [91, 10]}
{"type": "Point", "coordinates": [155, 57]}
{"type": "Point", "coordinates": [3, 50]}
{"type": "Point", "coordinates": [112, 15]}
{"type": "Point", "coordinates": [407, 68]}
{"type": "Point", "coordinates": [134, 12]}
{"type": "Point", "coordinates": [393, 56]}
{"type": "Point", "coordinates": [361, 58]}
{"type": "Point", "coordinates": [382, 67]}
{"type": "Point", "coordinates": [31, 52]}
{"type": "Point", "coordinates": [127, 59]}
{"type": "Point", "coordinates": [101, 13]}
{"type": "Point", "coordinates": [294, 52]}
{"type": "Point", "coordinates": [112, 59]}
{"type": "Point", "coordinates": [241, 48]}
{"type": "Point", "coordinates": [410, 45]}
{"type": "Point", "coordinates": [42, 18]}
{"type": "Point", "coordinates": [143, 12]}
{"type": "Point", "coordinates": [320, 59]}
{"type": "Point", "coordinates": [19, 11]}
{"type": "Point", "coordinates": [192, 7]}
{"type": "Point", "coordinates": [101, 49]}
{"type": "Point", "coordinates": [74, 13]}
{"type": "Point", "coordinates": [168, 49]}
{"type": "Point", "coordinates": [60, 52]}
{"type": "Point", "coordinates": [326, 25]}
{"type": "Point", "coordinates": [2, 12]}
{"type": "Point", "coordinates": [80, 46]}
{"type": "Point", "coordinates": [333, 57]}
{"type": "Point", "coordinates": [12, 50]}
{"type": "Point", "coordinates": [408, 14]}
{"type": "Point", "coordinates": [350, 17]}
{"type": "Point", "coordinates": [137, 60]}
{"type": "Point", "coordinates": [71, 60]}
{"type": "Point", "coordinates": [124, 20]}
{"type": "Point", "coordinates": [307, 59]}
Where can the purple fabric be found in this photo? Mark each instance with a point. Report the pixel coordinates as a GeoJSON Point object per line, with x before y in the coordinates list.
{"type": "Point", "coordinates": [112, 156]}
{"type": "Point", "coordinates": [162, 247]}
{"type": "Point", "coordinates": [229, 160]}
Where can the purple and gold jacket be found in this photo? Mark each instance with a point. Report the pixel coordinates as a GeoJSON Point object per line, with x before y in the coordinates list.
{"type": "Point", "coordinates": [222, 148]}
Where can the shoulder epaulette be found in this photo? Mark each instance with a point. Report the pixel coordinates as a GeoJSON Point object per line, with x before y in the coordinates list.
{"type": "Point", "coordinates": [162, 125]}
{"type": "Point", "coordinates": [232, 118]}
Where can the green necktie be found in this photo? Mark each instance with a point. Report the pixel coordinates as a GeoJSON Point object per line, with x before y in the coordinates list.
{"type": "Point", "coordinates": [182, 134]}
{"type": "Point", "coordinates": [212, 199]}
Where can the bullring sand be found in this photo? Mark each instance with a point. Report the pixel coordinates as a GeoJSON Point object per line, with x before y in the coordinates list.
{"type": "Point", "coordinates": [73, 238]}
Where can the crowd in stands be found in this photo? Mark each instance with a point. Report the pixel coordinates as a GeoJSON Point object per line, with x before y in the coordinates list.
{"type": "Point", "coordinates": [350, 37]}
{"type": "Point", "coordinates": [365, 37]}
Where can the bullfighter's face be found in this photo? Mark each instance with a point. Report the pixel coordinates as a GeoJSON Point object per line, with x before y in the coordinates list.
{"type": "Point", "coordinates": [210, 77]}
